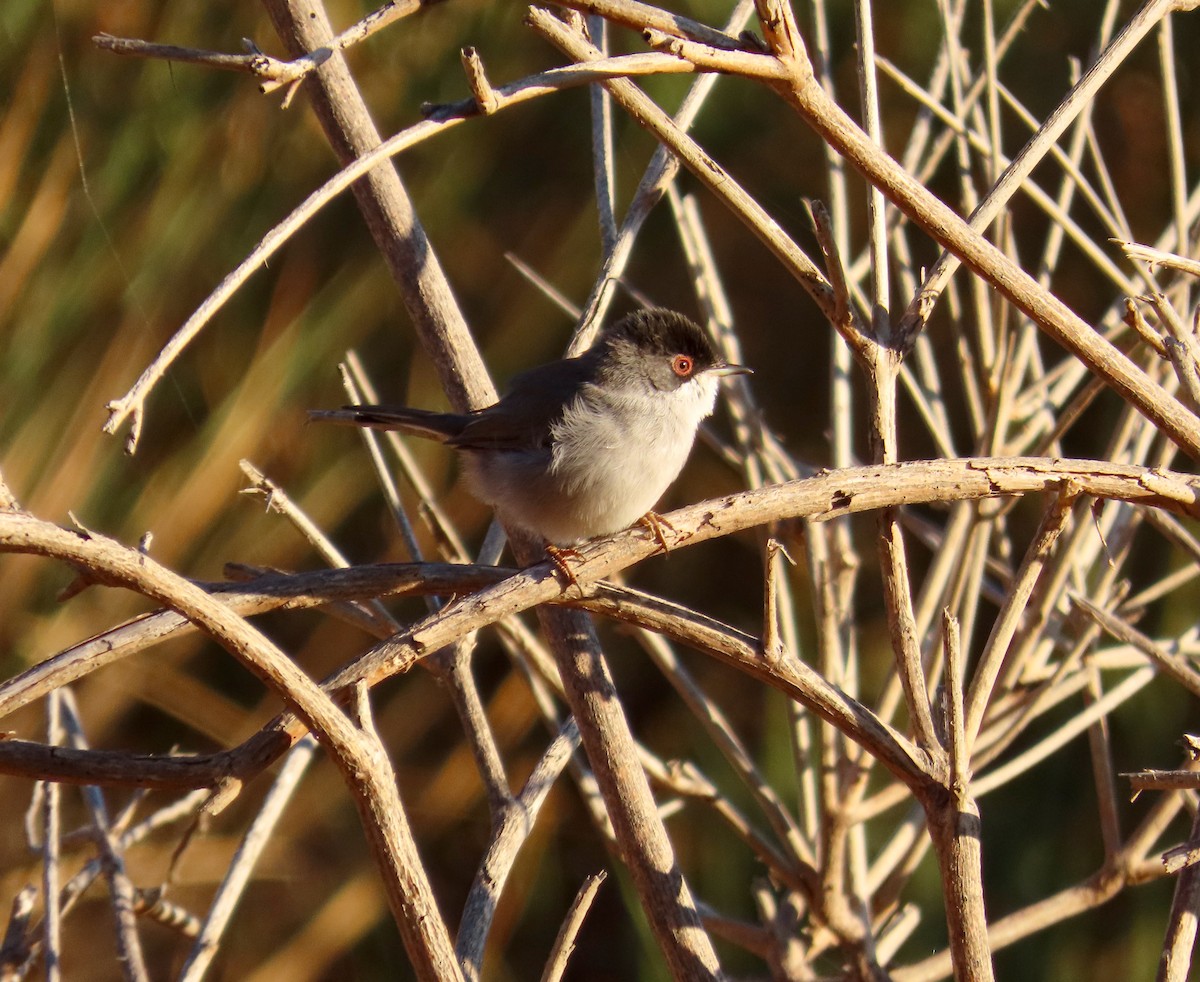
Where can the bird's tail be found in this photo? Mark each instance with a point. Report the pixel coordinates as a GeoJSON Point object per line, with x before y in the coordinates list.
{"type": "Point", "coordinates": [420, 422]}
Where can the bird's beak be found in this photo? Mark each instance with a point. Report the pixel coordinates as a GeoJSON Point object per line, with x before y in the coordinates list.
{"type": "Point", "coordinates": [723, 370]}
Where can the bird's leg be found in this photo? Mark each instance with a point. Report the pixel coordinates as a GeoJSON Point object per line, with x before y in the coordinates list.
{"type": "Point", "coordinates": [559, 555]}
{"type": "Point", "coordinates": [653, 521]}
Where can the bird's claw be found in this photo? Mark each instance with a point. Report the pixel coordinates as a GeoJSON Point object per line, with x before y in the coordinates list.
{"type": "Point", "coordinates": [559, 555]}
{"type": "Point", "coordinates": [655, 522]}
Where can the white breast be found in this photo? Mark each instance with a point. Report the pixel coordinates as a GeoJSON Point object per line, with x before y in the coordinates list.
{"type": "Point", "coordinates": [616, 453]}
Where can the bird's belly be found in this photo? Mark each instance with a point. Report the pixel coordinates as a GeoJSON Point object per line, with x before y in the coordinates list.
{"type": "Point", "coordinates": [575, 499]}
{"type": "Point", "coordinates": [609, 465]}
{"type": "Point", "coordinates": [606, 486]}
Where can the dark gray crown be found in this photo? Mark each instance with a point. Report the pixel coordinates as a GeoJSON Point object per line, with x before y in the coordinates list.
{"type": "Point", "coordinates": [645, 342]}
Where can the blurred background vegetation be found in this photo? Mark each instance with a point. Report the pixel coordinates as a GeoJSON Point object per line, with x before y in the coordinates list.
{"type": "Point", "coordinates": [129, 188]}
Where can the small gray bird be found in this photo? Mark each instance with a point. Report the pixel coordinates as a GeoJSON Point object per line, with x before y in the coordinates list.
{"type": "Point", "coordinates": [583, 446]}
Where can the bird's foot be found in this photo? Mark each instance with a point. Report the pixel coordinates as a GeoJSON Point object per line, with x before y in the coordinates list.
{"type": "Point", "coordinates": [559, 555]}
{"type": "Point", "coordinates": [655, 523]}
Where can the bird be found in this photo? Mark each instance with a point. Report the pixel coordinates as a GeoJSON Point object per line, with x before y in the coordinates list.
{"type": "Point", "coordinates": [584, 446]}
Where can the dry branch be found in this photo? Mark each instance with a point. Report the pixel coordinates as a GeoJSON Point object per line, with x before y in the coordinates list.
{"type": "Point", "coordinates": [367, 769]}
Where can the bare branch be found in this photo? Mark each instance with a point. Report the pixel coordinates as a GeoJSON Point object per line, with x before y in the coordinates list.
{"type": "Point", "coordinates": [556, 965]}
{"type": "Point", "coordinates": [242, 866]}
{"type": "Point", "coordinates": [514, 827]}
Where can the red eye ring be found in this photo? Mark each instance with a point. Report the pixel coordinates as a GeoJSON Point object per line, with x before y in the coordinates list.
{"type": "Point", "coordinates": [682, 365]}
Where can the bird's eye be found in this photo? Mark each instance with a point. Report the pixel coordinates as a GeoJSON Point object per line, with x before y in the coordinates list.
{"type": "Point", "coordinates": [681, 365]}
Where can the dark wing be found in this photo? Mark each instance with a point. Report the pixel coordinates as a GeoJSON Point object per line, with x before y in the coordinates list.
{"type": "Point", "coordinates": [535, 400]}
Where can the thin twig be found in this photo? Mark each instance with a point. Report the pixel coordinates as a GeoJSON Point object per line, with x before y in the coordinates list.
{"type": "Point", "coordinates": [52, 913]}
{"type": "Point", "coordinates": [1178, 667]}
{"type": "Point", "coordinates": [513, 828]}
{"type": "Point", "coordinates": [237, 875]}
{"type": "Point", "coordinates": [1054, 520]}
{"type": "Point", "coordinates": [129, 946]}
{"type": "Point", "coordinates": [1160, 257]}
{"type": "Point", "coordinates": [564, 944]}
{"type": "Point", "coordinates": [604, 175]}
{"type": "Point", "coordinates": [276, 73]}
